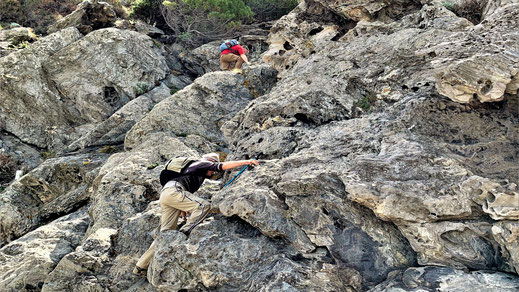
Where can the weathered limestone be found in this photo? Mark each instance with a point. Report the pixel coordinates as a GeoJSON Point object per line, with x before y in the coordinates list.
{"type": "Point", "coordinates": [368, 174]}
{"type": "Point", "coordinates": [65, 92]}
{"type": "Point", "coordinates": [448, 279]}
{"type": "Point", "coordinates": [58, 186]}
{"type": "Point", "coordinates": [26, 263]}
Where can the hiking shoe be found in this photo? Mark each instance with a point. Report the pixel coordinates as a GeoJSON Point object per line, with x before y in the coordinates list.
{"type": "Point", "coordinates": [140, 271]}
{"type": "Point", "coordinates": [236, 70]}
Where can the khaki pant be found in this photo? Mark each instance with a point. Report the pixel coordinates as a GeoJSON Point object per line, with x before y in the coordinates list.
{"type": "Point", "coordinates": [172, 201]}
{"type": "Point", "coordinates": [227, 60]}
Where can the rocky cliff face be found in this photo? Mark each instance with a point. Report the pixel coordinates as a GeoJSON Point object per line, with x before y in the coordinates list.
{"type": "Point", "coordinates": [389, 132]}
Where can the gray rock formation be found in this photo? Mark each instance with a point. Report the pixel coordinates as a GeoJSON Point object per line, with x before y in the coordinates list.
{"type": "Point", "coordinates": [14, 39]}
{"type": "Point", "coordinates": [27, 262]}
{"type": "Point", "coordinates": [56, 187]}
{"type": "Point", "coordinates": [447, 279]}
{"type": "Point", "coordinates": [88, 16]}
{"type": "Point", "coordinates": [386, 165]}
{"type": "Point", "coordinates": [69, 83]}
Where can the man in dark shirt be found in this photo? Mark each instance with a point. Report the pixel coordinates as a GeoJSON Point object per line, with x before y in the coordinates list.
{"type": "Point", "coordinates": [236, 54]}
{"type": "Point", "coordinates": [177, 197]}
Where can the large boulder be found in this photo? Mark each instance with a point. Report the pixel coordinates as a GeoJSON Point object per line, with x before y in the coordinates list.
{"type": "Point", "coordinates": [27, 262]}
{"type": "Point", "coordinates": [60, 87]}
{"type": "Point", "coordinates": [56, 187]}
{"type": "Point", "coordinates": [254, 261]}
{"type": "Point", "coordinates": [447, 279]}
{"type": "Point", "coordinates": [201, 108]}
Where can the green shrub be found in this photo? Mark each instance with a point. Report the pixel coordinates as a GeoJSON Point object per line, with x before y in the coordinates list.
{"type": "Point", "coordinates": [7, 167]}
{"type": "Point", "coordinates": [109, 149]}
{"type": "Point", "coordinates": [146, 10]}
{"type": "Point", "coordinates": [449, 5]}
{"type": "Point", "coordinates": [47, 154]}
{"type": "Point", "coordinates": [142, 88]}
{"type": "Point", "coordinates": [198, 21]}
{"type": "Point", "coordinates": [266, 10]}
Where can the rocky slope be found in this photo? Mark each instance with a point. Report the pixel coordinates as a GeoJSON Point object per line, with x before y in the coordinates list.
{"type": "Point", "coordinates": [389, 132]}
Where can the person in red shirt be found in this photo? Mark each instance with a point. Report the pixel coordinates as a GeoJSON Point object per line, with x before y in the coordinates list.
{"type": "Point", "coordinates": [236, 54]}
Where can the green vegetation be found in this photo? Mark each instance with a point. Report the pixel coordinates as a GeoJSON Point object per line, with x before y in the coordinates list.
{"type": "Point", "coordinates": [198, 21]}
{"type": "Point", "coordinates": [449, 5]}
{"type": "Point", "coordinates": [152, 166]}
{"type": "Point", "coordinates": [367, 101]}
{"type": "Point", "coordinates": [142, 88]}
{"type": "Point", "coordinates": [7, 167]}
{"type": "Point", "coordinates": [173, 90]}
{"type": "Point", "coordinates": [47, 154]}
{"type": "Point", "coordinates": [266, 10]}
{"type": "Point", "coordinates": [147, 10]}
{"type": "Point", "coordinates": [108, 149]}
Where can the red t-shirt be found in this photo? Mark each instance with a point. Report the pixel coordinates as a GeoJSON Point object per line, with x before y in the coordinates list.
{"type": "Point", "coordinates": [237, 50]}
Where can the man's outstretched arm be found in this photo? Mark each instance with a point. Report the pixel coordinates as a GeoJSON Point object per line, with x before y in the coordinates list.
{"type": "Point", "coordinates": [233, 164]}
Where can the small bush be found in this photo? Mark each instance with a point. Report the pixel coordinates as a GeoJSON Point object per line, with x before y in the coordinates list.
{"type": "Point", "coordinates": [142, 88]}
{"type": "Point", "coordinates": [47, 154]}
{"type": "Point", "coordinates": [7, 167]}
{"type": "Point", "coordinates": [449, 5]}
{"type": "Point", "coordinates": [196, 21]}
{"type": "Point", "coordinates": [109, 149]}
{"type": "Point", "coordinates": [266, 10]}
{"type": "Point", "coordinates": [147, 11]}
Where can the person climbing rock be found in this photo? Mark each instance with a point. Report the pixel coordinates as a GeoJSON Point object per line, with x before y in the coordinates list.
{"type": "Point", "coordinates": [232, 53]}
{"type": "Point", "coordinates": [178, 196]}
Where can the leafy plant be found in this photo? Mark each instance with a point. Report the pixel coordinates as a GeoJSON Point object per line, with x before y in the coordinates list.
{"type": "Point", "coordinates": [142, 88]}
{"type": "Point", "coordinates": [108, 149]}
{"type": "Point", "coordinates": [146, 10]}
{"type": "Point", "coordinates": [7, 167]}
{"type": "Point", "coordinates": [367, 101]}
{"type": "Point", "coordinates": [47, 154]}
{"type": "Point", "coordinates": [204, 20]}
{"type": "Point", "coordinates": [152, 166]}
{"type": "Point", "coordinates": [449, 5]}
{"type": "Point", "coordinates": [266, 10]}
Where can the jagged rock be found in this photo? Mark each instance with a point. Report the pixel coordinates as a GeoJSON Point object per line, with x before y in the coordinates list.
{"type": "Point", "coordinates": [27, 262]}
{"type": "Point", "coordinates": [366, 168]}
{"type": "Point", "coordinates": [464, 244]}
{"type": "Point", "coordinates": [25, 156]}
{"type": "Point", "coordinates": [198, 109]}
{"type": "Point", "coordinates": [203, 59]}
{"type": "Point", "coordinates": [88, 16]}
{"type": "Point", "coordinates": [506, 233]}
{"type": "Point", "coordinates": [58, 186]}
{"type": "Point", "coordinates": [283, 201]}
{"type": "Point", "coordinates": [69, 83]}
{"type": "Point", "coordinates": [113, 130]}
{"type": "Point", "coordinates": [15, 38]}
{"type": "Point", "coordinates": [448, 279]}
{"type": "Point", "coordinates": [148, 30]}
{"type": "Point", "coordinates": [78, 270]}
{"type": "Point", "coordinates": [253, 261]}
{"type": "Point", "coordinates": [489, 67]}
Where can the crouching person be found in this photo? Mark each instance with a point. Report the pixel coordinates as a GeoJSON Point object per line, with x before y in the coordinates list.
{"type": "Point", "coordinates": [178, 196]}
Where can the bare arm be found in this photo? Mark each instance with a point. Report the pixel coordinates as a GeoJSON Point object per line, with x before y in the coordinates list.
{"type": "Point", "coordinates": [233, 164]}
{"type": "Point", "coordinates": [244, 58]}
